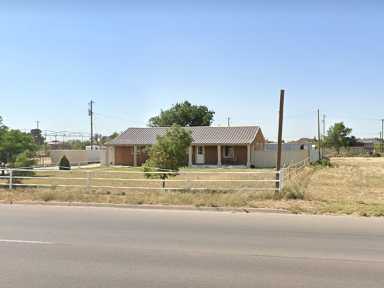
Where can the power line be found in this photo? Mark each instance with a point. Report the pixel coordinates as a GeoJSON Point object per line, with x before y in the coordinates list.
{"type": "Point", "coordinates": [353, 118]}
{"type": "Point", "coordinates": [118, 117]}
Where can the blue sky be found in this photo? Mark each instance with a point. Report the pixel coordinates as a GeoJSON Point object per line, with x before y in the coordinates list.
{"type": "Point", "coordinates": [134, 58]}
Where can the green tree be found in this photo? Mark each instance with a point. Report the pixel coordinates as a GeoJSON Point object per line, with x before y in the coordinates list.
{"type": "Point", "coordinates": [183, 114]}
{"type": "Point", "coordinates": [23, 160]}
{"type": "Point", "coordinates": [17, 149]}
{"type": "Point", "coordinates": [3, 128]}
{"type": "Point", "coordinates": [64, 163]}
{"type": "Point", "coordinates": [76, 144]}
{"type": "Point", "coordinates": [37, 136]}
{"type": "Point", "coordinates": [13, 143]}
{"type": "Point", "coordinates": [169, 152]}
{"type": "Point", "coordinates": [338, 136]}
{"type": "Point", "coordinates": [105, 139]}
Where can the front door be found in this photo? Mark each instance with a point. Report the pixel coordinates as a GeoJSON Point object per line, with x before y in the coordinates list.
{"type": "Point", "coordinates": [200, 155]}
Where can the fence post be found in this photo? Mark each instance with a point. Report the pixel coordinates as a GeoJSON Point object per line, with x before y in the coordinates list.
{"type": "Point", "coordinates": [88, 181]}
{"type": "Point", "coordinates": [10, 179]}
{"type": "Point", "coordinates": [281, 180]}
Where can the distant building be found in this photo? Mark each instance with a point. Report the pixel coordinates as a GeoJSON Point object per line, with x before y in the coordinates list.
{"type": "Point", "coordinates": [303, 141]}
{"type": "Point", "coordinates": [58, 145]}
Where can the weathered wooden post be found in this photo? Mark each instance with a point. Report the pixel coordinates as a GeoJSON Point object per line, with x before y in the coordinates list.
{"type": "Point", "coordinates": [10, 179]}
{"type": "Point", "coordinates": [88, 186]}
{"type": "Point", "coordinates": [279, 144]}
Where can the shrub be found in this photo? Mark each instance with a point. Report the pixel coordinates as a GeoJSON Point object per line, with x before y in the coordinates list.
{"type": "Point", "coordinates": [47, 196]}
{"type": "Point", "coordinates": [293, 192]}
{"type": "Point", "coordinates": [64, 163]}
{"type": "Point", "coordinates": [23, 161]}
{"type": "Point", "coordinates": [325, 162]}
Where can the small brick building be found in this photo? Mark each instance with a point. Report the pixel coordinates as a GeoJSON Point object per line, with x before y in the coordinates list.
{"type": "Point", "coordinates": [210, 146]}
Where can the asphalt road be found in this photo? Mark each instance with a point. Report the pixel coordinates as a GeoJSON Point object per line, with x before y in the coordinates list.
{"type": "Point", "coordinates": [109, 247]}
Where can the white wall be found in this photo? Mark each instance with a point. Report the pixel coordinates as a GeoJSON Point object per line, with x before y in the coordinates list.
{"type": "Point", "coordinates": [267, 159]}
{"type": "Point", "coordinates": [77, 156]}
{"type": "Point", "coordinates": [108, 157]}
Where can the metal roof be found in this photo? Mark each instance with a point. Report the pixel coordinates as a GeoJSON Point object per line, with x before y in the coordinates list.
{"type": "Point", "coordinates": [200, 135]}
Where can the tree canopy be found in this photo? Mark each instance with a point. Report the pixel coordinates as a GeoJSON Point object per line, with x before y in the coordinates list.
{"type": "Point", "coordinates": [338, 136]}
{"type": "Point", "coordinates": [183, 114]}
{"type": "Point", "coordinates": [37, 136]}
{"type": "Point", "coordinates": [102, 140]}
{"type": "Point", "coordinates": [169, 152]}
{"type": "Point", "coordinates": [15, 145]}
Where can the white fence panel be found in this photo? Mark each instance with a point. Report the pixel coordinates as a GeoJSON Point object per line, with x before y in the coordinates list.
{"type": "Point", "coordinates": [314, 155]}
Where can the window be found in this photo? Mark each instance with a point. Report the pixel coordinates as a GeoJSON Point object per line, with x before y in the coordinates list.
{"type": "Point", "coordinates": [200, 150]}
{"type": "Point", "coordinates": [228, 152]}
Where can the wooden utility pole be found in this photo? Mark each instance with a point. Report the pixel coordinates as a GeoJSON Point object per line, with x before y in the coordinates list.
{"type": "Point", "coordinates": [323, 137]}
{"type": "Point", "coordinates": [318, 132]}
{"type": "Point", "coordinates": [324, 125]}
{"type": "Point", "coordinates": [90, 113]}
{"type": "Point", "coordinates": [279, 141]}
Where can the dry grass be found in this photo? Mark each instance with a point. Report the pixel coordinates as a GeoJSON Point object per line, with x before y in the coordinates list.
{"type": "Point", "coordinates": [350, 186]}
{"type": "Point", "coordinates": [227, 179]}
{"type": "Point", "coordinates": [350, 179]}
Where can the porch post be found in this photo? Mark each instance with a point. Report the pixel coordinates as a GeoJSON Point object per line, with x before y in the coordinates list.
{"type": "Point", "coordinates": [219, 155]}
{"type": "Point", "coordinates": [134, 155]}
{"type": "Point", "coordinates": [113, 155]}
{"type": "Point", "coordinates": [190, 156]}
{"type": "Point", "coordinates": [106, 155]}
{"type": "Point", "coordinates": [248, 155]}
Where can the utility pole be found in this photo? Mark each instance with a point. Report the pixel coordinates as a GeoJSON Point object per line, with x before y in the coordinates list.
{"type": "Point", "coordinates": [279, 143]}
{"type": "Point", "coordinates": [228, 121]}
{"type": "Point", "coordinates": [318, 132]}
{"type": "Point", "coordinates": [90, 114]}
{"type": "Point", "coordinates": [323, 138]}
{"type": "Point", "coordinates": [37, 124]}
{"type": "Point", "coordinates": [324, 116]}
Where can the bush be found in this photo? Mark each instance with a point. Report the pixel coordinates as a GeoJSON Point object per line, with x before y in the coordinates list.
{"type": "Point", "coordinates": [64, 163]}
{"type": "Point", "coordinates": [325, 162]}
{"type": "Point", "coordinates": [294, 192]}
{"type": "Point", "coordinates": [23, 161]}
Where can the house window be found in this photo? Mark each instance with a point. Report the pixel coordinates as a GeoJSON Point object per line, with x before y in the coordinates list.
{"type": "Point", "coordinates": [228, 152]}
{"type": "Point", "coordinates": [200, 150]}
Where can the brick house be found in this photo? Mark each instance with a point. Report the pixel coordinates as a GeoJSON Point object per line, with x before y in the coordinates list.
{"type": "Point", "coordinates": [210, 146]}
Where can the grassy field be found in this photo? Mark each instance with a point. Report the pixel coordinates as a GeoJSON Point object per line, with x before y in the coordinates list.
{"type": "Point", "coordinates": [350, 186]}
